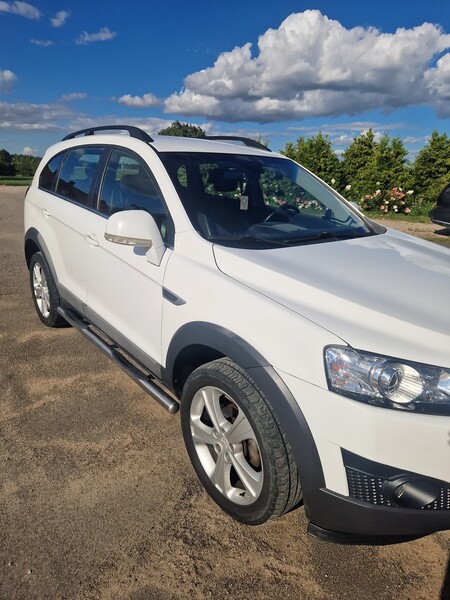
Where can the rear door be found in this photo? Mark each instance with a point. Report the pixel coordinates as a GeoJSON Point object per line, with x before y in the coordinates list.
{"type": "Point", "coordinates": [65, 210]}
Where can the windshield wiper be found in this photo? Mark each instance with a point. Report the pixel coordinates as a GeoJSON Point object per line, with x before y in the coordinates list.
{"type": "Point", "coordinates": [284, 242]}
{"type": "Point", "coordinates": [325, 235]}
{"type": "Point", "coordinates": [247, 238]}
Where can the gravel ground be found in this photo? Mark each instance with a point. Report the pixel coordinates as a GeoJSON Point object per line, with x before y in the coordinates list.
{"type": "Point", "coordinates": [98, 499]}
{"type": "Point", "coordinates": [427, 231]}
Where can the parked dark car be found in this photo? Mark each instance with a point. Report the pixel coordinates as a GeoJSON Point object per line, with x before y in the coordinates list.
{"type": "Point", "coordinates": [441, 212]}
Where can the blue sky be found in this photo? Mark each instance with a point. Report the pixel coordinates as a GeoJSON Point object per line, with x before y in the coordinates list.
{"type": "Point", "coordinates": [251, 67]}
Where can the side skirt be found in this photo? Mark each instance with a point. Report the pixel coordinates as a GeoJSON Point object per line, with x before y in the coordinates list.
{"type": "Point", "coordinates": [126, 362]}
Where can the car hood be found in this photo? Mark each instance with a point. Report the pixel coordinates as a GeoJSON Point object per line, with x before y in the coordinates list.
{"type": "Point", "coordinates": [388, 293]}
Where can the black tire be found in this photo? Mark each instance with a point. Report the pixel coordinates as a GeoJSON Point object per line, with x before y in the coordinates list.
{"type": "Point", "coordinates": [44, 292]}
{"type": "Point", "coordinates": [219, 455]}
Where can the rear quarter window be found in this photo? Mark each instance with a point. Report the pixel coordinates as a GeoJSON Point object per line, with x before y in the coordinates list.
{"type": "Point", "coordinates": [49, 173]}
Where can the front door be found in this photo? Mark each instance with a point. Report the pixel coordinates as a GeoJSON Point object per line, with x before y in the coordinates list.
{"type": "Point", "coordinates": [124, 296]}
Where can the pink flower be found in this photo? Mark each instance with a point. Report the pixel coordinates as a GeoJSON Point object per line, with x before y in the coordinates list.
{"type": "Point", "coordinates": [407, 210]}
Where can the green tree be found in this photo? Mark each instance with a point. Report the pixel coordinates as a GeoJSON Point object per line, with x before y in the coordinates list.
{"type": "Point", "coordinates": [6, 164]}
{"type": "Point", "coordinates": [183, 130]}
{"type": "Point", "coordinates": [355, 160]}
{"type": "Point", "coordinates": [387, 167]}
{"type": "Point", "coordinates": [317, 155]}
{"type": "Point", "coordinates": [431, 169]}
{"type": "Point", "coordinates": [369, 165]}
{"type": "Point", "coordinates": [25, 165]}
{"type": "Point", "coordinates": [397, 163]}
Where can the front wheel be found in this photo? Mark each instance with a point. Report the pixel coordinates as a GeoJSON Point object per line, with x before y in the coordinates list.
{"type": "Point", "coordinates": [236, 444]}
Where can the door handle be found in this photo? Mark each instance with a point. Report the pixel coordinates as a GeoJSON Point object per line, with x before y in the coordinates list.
{"type": "Point", "coordinates": [91, 239]}
{"type": "Point", "coordinates": [46, 212]}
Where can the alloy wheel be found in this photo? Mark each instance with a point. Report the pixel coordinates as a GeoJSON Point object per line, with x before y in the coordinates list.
{"type": "Point", "coordinates": [226, 445]}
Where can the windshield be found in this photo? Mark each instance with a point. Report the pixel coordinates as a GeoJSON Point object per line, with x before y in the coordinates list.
{"type": "Point", "coordinates": [253, 201]}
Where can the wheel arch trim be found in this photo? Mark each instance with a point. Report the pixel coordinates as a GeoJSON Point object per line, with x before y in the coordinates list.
{"type": "Point", "coordinates": [33, 235]}
{"type": "Point", "coordinates": [275, 390]}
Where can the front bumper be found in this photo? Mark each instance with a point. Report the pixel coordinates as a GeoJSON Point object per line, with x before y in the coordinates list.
{"type": "Point", "coordinates": [384, 505]}
{"type": "Point", "coordinates": [361, 450]}
{"type": "Point", "coordinates": [441, 216]}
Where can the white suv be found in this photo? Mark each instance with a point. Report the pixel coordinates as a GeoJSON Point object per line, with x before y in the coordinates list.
{"type": "Point", "coordinates": [307, 347]}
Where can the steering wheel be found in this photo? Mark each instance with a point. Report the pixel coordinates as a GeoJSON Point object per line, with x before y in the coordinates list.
{"type": "Point", "coordinates": [281, 211]}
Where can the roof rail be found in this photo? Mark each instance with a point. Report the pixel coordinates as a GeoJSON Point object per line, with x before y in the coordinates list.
{"type": "Point", "coordinates": [134, 132]}
{"type": "Point", "coordinates": [236, 138]}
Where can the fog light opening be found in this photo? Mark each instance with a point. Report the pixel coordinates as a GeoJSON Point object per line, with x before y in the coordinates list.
{"type": "Point", "coordinates": [409, 492]}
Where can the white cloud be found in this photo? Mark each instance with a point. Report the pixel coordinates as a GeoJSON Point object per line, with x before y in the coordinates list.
{"type": "Point", "coordinates": [22, 116]}
{"type": "Point", "coordinates": [139, 101]}
{"type": "Point", "coordinates": [313, 66]}
{"type": "Point", "coordinates": [73, 96]}
{"type": "Point", "coordinates": [191, 103]}
{"type": "Point", "coordinates": [60, 18]}
{"type": "Point", "coordinates": [7, 80]}
{"type": "Point", "coordinates": [353, 126]}
{"type": "Point", "coordinates": [59, 117]}
{"type": "Point", "coordinates": [101, 36]}
{"type": "Point", "coordinates": [344, 139]}
{"type": "Point", "coordinates": [410, 140]}
{"type": "Point", "coordinates": [42, 43]}
{"type": "Point", "coordinates": [27, 151]}
{"type": "Point", "coordinates": [438, 80]}
{"type": "Point", "coordinates": [23, 9]}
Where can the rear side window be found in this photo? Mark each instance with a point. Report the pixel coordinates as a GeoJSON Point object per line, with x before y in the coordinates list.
{"type": "Point", "coordinates": [49, 173]}
{"type": "Point", "coordinates": [78, 172]}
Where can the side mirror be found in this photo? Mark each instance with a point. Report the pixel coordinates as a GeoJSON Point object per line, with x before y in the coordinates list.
{"type": "Point", "coordinates": [136, 228]}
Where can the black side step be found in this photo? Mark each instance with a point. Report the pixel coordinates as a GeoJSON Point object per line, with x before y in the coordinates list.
{"type": "Point", "coordinates": [119, 356]}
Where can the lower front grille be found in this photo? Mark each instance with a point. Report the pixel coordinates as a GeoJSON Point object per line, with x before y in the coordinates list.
{"type": "Point", "coordinates": [367, 482]}
{"type": "Point", "coordinates": [365, 487]}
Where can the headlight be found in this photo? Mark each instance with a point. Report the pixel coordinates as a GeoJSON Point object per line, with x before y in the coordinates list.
{"type": "Point", "coordinates": [388, 382]}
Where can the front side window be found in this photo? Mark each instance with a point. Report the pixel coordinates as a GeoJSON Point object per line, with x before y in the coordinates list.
{"type": "Point", "coordinates": [129, 185]}
{"type": "Point", "coordinates": [78, 172]}
{"type": "Point", "coordinates": [261, 202]}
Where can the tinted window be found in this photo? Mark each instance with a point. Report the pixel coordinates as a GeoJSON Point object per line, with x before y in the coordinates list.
{"type": "Point", "coordinates": [48, 174]}
{"type": "Point", "coordinates": [78, 172]}
{"type": "Point", "coordinates": [259, 201]}
{"type": "Point", "coordinates": [128, 185]}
